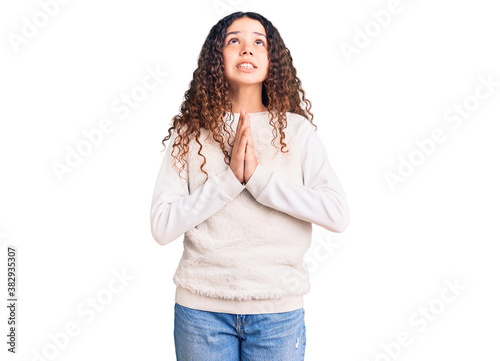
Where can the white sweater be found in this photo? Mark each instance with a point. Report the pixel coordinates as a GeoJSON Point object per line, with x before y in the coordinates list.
{"type": "Point", "coordinates": [244, 244]}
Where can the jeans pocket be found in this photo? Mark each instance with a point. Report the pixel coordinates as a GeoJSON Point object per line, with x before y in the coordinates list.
{"type": "Point", "coordinates": [185, 312]}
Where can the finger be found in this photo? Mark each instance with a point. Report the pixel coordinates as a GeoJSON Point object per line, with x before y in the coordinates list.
{"type": "Point", "coordinates": [249, 126]}
{"type": "Point", "coordinates": [248, 121]}
{"type": "Point", "coordinates": [245, 140]}
{"type": "Point", "coordinates": [239, 127]}
{"type": "Point", "coordinates": [242, 118]}
{"type": "Point", "coordinates": [241, 122]}
{"type": "Point", "coordinates": [249, 140]}
{"type": "Point", "coordinates": [250, 134]}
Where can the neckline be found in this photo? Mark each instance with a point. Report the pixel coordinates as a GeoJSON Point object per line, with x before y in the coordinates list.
{"type": "Point", "coordinates": [262, 112]}
{"type": "Point", "coordinates": [253, 115]}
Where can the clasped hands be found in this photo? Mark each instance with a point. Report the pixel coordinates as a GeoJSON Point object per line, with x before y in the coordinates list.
{"type": "Point", "coordinates": [243, 158]}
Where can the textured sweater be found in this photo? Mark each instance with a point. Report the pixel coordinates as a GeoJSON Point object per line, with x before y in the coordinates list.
{"type": "Point", "coordinates": [244, 244]}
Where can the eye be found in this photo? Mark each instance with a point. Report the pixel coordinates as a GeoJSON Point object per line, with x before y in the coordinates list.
{"type": "Point", "coordinates": [230, 41]}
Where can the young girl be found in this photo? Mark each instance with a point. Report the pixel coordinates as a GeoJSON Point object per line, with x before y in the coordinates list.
{"type": "Point", "coordinates": [244, 204]}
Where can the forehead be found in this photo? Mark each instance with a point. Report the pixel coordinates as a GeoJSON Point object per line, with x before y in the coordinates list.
{"type": "Point", "coordinates": [246, 25]}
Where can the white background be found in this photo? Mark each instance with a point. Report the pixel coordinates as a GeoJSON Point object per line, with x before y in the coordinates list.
{"type": "Point", "coordinates": [371, 107]}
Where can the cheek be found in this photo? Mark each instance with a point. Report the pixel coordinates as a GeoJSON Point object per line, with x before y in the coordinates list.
{"type": "Point", "coordinates": [226, 61]}
{"type": "Point", "coordinates": [266, 61]}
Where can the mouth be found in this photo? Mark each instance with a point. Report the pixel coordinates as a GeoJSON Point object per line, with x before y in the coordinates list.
{"type": "Point", "coordinates": [246, 65]}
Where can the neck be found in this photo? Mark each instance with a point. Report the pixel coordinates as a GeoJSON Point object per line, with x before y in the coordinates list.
{"type": "Point", "coordinates": [247, 98]}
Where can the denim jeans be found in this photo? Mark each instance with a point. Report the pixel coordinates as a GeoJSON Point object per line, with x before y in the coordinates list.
{"type": "Point", "coordinates": [215, 336]}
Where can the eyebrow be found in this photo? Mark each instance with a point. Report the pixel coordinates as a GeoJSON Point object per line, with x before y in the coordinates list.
{"type": "Point", "coordinates": [237, 32]}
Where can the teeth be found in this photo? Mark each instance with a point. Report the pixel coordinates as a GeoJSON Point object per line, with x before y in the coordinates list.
{"type": "Point", "coordinates": [246, 65]}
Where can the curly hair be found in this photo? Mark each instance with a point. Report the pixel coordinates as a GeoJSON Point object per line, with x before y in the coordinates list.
{"type": "Point", "coordinates": [206, 101]}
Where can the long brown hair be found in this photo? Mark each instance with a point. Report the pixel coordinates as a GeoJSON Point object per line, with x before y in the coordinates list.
{"type": "Point", "coordinates": [206, 101]}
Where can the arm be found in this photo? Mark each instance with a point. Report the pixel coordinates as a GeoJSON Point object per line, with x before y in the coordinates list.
{"type": "Point", "coordinates": [174, 210]}
{"type": "Point", "coordinates": [321, 200]}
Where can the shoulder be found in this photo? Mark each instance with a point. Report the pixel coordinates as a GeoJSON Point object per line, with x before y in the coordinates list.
{"type": "Point", "coordinates": [298, 125]}
{"type": "Point", "coordinates": [306, 134]}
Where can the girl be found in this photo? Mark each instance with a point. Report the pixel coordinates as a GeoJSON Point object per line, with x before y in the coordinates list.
{"type": "Point", "coordinates": [245, 205]}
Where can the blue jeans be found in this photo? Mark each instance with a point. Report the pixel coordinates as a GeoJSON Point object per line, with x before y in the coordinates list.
{"type": "Point", "coordinates": [215, 336]}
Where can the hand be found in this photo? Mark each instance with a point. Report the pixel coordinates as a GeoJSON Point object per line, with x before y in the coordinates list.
{"type": "Point", "coordinates": [250, 157]}
{"type": "Point", "coordinates": [243, 158]}
{"type": "Point", "coordinates": [237, 163]}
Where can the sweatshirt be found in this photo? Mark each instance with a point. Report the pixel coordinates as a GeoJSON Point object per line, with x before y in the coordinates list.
{"type": "Point", "coordinates": [244, 244]}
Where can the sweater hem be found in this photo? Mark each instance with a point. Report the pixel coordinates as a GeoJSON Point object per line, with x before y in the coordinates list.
{"type": "Point", "coordinates": [189, 299]}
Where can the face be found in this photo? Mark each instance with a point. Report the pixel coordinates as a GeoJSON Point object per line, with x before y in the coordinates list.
{"type": "Point", "coordinates": [245, 41]}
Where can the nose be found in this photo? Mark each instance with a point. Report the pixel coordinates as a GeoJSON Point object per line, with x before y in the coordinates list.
{"type": "Point", "coordinates": [246, 49]}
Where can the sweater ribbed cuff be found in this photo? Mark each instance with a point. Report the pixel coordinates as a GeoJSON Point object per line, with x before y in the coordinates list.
{"type": "Point", "coordinates": [229, 183]}
{"type": "Point", "coordinates": [258, 180]}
